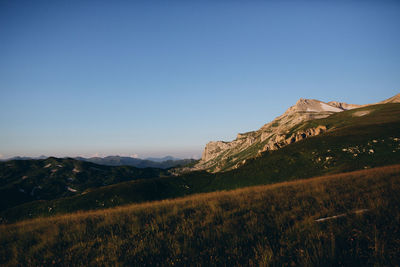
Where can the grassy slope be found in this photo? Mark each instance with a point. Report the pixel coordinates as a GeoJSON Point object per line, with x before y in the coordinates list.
{"type": "Point", "coordinates": [311, 157]}
{"type": "Point", "coordinates": [259, 226]}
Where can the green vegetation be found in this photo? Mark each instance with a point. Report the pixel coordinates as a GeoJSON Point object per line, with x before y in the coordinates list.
{"type": "Point", "coordinates": [23, 181]}
{"type": "Point", "coordinates": [271, 225]}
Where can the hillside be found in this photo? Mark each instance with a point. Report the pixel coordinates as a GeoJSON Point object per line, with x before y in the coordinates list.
{"type": "Point", "coordinates": [222, 156]}
{"type": "Point", "coordinates": [347, 219]}
{"type": "Point", "coordinates": [23, 181]}
{"type": "Point", "coordinates": [353, 142]}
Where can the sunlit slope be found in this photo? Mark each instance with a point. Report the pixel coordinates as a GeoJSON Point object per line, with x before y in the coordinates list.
{"type": "Point", "coordinates": [356, 139]}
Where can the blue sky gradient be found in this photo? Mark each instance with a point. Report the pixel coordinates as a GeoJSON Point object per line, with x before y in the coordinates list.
{"type": "Point", "coordinates": [158, 78]}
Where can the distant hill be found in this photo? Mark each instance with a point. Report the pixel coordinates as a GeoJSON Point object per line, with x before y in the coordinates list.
{"type": "Point", "coordinates": [166, 158]}
{"type": "Point", "coordinates": [161, 163]}
{"type": "Point", "coordinates": [23, 181]}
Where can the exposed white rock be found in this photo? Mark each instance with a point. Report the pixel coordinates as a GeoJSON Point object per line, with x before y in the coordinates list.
{"type": "Point", "coordinates": [343, 106]}
{"type": "Point", "coordinates": [71, 189]}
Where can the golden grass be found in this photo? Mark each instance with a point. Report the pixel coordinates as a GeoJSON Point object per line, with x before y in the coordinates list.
{"type": "Point", "coordinates": [259, 226]}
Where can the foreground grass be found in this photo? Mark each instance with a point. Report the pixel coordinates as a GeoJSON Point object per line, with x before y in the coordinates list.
{"type": "Point", "coordinates": [259, 226]}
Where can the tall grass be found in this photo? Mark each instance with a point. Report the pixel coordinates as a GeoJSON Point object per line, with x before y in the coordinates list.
{"type": "Point", "coordinates": [259, 226]}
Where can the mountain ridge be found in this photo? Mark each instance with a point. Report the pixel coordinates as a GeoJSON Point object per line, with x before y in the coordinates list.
{"type": "Point", "coordinates": [222, 155]}
{"type": "Point", "coordinates": [162, 163]}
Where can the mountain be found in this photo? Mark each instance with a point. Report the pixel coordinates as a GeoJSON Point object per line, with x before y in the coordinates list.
{"type": "Point", "coordinates": [162, 163]}
{"type": "Point", "coordinates": [283, 130]}
{"type": "Point", "coordinates": [24, 158]}
{"type": "Point", "coordinates": [342, 218]}
{"type": "Point", "coordinates": [355, 139]}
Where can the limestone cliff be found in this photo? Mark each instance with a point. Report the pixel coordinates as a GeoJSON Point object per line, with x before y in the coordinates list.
{"type": "Point", "coordinates": [222, 156]}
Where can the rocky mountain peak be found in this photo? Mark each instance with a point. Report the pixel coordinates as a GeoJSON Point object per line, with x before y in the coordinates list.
{"type": "Point", "coordinates": [220, 156]}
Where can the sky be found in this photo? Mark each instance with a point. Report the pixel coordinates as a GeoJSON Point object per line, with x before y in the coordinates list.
{"type": "Point", "coordinates": [155, 78]}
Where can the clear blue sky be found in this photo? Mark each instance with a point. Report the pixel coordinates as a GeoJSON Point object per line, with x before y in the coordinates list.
{"type": "Point", "coordinates": [158, 78]}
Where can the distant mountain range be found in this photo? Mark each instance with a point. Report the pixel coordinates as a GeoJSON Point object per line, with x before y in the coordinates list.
{"type": "Point", "coordinates": [162, 163]}
{"type": "Point", "coordinates": [166, 158]}
{"type": "Point", "coordinates": [24, 158]}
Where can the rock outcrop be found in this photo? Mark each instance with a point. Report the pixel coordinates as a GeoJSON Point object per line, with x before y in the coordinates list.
{"type": "Point", "coordinates": [279, 141]}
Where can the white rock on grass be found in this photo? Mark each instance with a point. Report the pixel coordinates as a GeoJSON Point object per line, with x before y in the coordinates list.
{"type": "Point", "coordinates": [71, 189]}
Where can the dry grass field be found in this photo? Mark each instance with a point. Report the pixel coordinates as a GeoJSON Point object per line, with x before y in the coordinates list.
{"type": "Point", "coordinates": [272, 225]}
